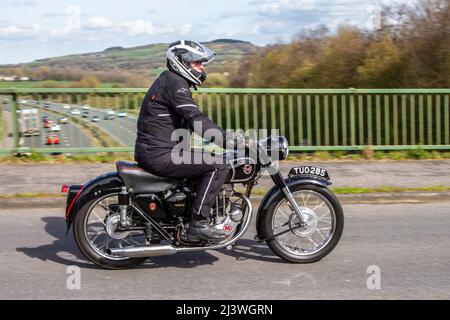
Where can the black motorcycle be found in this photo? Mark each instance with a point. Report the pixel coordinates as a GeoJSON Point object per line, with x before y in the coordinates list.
{"type": "Point", "coordinates": [121, 219]}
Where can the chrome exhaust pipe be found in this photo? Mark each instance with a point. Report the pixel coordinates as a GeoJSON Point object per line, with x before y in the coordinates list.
{"type": "Point", "coordinates": [165, 250]}
{"type": "Point", "coordinates": [143, 251]}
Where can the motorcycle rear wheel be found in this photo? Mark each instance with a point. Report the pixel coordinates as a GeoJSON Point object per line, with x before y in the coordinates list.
{"type": "Point", "coordinates": [86, 244]}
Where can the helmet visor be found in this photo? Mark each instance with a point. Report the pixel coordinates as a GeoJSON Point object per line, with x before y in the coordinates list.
{"type": "Point", "coordinates": [203, 55]}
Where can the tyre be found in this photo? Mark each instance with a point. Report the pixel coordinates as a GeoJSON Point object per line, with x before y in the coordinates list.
{"type": "Point", "coordinates": [95, 231]}
{"type": "Point", "coordinates": [306, 244]}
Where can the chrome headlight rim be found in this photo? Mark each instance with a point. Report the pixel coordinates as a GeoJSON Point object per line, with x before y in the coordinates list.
{"type": "Point", "coordinates": [284, 147]}
{"type": "Point", "coordinates": [281, 148]}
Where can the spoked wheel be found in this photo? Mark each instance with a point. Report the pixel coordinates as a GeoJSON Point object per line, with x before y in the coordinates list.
{"type": "Point", "coordinates": [96, 231]}
{"type": "Point", "coordinates": [315, 240]}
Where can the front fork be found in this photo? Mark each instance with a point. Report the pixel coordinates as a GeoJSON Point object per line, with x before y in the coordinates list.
{"type": "Point", "coordinates": [278, 179]}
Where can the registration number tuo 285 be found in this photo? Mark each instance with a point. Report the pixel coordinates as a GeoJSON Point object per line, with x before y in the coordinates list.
{"type": "Point", "coordinates": [309, 170]}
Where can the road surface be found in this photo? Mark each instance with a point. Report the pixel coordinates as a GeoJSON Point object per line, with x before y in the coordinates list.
{"type": "Point", "coordinates": [70, 135]}
{"type": "Point", "coordinates": [408, 243]}
{"type": "Point", "coordinates": [123, 130]}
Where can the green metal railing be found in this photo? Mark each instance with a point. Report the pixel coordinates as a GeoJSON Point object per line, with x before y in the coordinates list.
{"type": "Point", "coordinates": [311, 119]}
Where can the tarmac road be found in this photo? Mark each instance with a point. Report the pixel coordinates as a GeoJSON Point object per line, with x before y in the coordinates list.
{"type": "Point", "coordinates": [70, 136]}
{"type": "Point", "coordinates": [121, 129]}
{"type": "Point", "coordinates": [408, 242]}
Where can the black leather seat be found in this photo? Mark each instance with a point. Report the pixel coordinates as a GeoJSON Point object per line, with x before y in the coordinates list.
{"type": "Point", "coordinates": [138, 180]}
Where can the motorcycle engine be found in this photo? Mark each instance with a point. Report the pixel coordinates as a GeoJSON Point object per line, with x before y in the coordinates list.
{"type": "Point", "coordinates": [222, 201]}
{"type": "Point", "coordinates": [227, 214]}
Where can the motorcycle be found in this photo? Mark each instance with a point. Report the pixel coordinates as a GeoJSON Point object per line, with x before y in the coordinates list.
{"type": "Point", "coordinates": [120, 219]}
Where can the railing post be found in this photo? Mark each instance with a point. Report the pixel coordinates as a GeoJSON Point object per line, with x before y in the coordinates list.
{"type": "Point", "coordinates": [15, 120]}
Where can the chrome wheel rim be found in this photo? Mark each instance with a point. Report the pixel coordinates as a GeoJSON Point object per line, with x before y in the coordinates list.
{"type": "Point", "coordinates": [311, 239]}
{"type": "Point", "coordinates": [100, 228]}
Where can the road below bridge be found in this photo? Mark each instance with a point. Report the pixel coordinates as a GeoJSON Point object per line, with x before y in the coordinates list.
{"type": "Point", "coordinates": [408, 243]}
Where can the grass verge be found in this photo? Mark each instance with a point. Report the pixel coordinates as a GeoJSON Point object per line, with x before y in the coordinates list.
{"type": "Point", "coordinates": [37, 157]}
{"type": "Point", "coordinates": [416, 154]}
{"type": "Point", "coordinates": [354, 190]}
{"type": "Point", "coordinates": [2, 128]}
{"type": "Point", "coordinates": [31, 195]}
{"type": "Point", "coordinates": [316, 157]}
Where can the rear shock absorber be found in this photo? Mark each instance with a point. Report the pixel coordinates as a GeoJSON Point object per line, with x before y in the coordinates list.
{"type": "Point", "coordinates": [124, 202]}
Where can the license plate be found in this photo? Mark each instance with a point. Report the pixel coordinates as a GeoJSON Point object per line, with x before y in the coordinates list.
{"type": "Point", "coordinates": [309, 171]}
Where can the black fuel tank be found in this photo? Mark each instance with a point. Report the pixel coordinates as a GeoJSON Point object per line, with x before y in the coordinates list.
{"type": "Point", "coordinates": [242, 170]}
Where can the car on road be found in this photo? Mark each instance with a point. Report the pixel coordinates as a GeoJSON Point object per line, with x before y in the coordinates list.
{"type": "Point", "coordinates": [85, 107]}
{"type": "Point", "coordinates": [85, 114]}
{"type": "Point", "coordinates": [47, 123]}
{"type": "Point", "coordinates": [63, 120]}
{"type": "Point", "coordinates": [5, 100]}
{"type": "Point", "coordinates": [55, 128]}
{"type": "Point", "coordinates": [122, 114]}
{"type": "Point", "coordinates": [66, 107]}
{"type": "Point", "coordinates": [109, 114]}
{"type": "Point", "coordinates": [95, 119]}
{"type": "Point", "coordinates": [52, 139]}
{"type": "Point", "coordinates": [75, 112]}
{"type": "Point", "coordinates": [32, 132]}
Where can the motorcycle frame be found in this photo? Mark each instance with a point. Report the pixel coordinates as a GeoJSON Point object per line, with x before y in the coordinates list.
{"type": "Point", "coordinates": [111, 183]}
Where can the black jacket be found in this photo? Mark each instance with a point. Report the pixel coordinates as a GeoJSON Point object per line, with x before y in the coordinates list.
{"type": "Point", "coordinates": [167, 106]}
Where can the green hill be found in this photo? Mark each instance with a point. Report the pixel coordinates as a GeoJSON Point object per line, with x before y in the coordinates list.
{"type": "Point", "coordinates": [145, 61]}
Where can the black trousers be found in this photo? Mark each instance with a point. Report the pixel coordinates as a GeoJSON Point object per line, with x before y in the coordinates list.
{"type": "Point", "coordinates": [208, 172]}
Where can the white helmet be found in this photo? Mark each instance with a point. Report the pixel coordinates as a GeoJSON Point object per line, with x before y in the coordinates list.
{"type": "Point", "coordinates": [182, 53]}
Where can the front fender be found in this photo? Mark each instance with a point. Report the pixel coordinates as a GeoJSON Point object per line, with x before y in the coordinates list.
{"type": "Point", "coordinates": [101, 185]}
{"type": "Point", "coordinates": [275, 193]}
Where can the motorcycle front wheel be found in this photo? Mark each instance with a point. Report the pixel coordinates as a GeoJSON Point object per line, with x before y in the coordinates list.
{"type": "Point", "coordinates": [306, 244]}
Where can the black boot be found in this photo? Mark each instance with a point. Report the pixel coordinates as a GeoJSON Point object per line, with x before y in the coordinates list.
{"type": "Point", "coordinates": [200, 227]}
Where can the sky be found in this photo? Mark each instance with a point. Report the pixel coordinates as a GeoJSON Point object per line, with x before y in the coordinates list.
{"type": "Point", "coordinates": [36, 29]}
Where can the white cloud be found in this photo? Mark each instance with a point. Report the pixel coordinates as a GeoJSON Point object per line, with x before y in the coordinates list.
{"type": "Point", "coordinates": [143, 27]}
{"type": "Point", "coordinates": [130, 28]}
{"type": "Point", "coordinates": [300, 14]}
{"type": "Point", "coordinates": [282, 5]}
{"type": "Point", "coordinates": [19, 32]}
{"type": "Point", "coordinates": [98, 23]}
{"type": "Point", "coordinates": [18, 3]}
{"type": "Point", "coordinates": [186, 29]}
{"type": "Point", "coordinates": [72, 26]}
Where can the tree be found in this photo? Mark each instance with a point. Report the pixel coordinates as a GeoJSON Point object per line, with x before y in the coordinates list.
{"type": "Point", "coordinates": [217, 80]}
{"type": "Point", "coordinates": [383, 66]}
{"type": "Point", "coordinates": [89, 81]}
{"type": "Point", "coordinates": [342, 56]}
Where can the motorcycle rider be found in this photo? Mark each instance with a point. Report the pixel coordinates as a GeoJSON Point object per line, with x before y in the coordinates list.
{"type": "Point", "coordinates": [167, 106]}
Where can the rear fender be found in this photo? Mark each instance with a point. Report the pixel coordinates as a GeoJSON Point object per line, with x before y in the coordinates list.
{"type": "Point", "coordinates": [99, 186]}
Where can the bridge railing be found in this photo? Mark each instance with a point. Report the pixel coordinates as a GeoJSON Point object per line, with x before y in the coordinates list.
{"type": "Point", "coordinates": [311, 119]}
